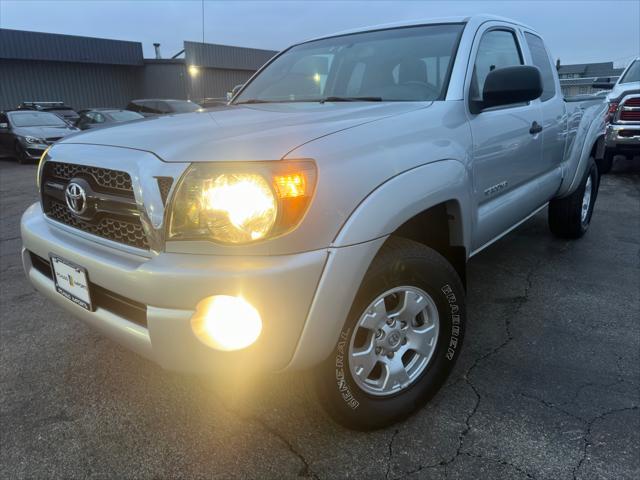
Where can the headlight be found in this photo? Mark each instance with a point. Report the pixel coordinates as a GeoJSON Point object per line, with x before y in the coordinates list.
{"type": "Point", "coordinates": [241, 203]}
{"type": "Point", "coordinates": [33, 140]}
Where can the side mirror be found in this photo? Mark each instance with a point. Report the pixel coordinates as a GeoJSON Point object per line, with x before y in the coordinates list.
{"type": "Point", "coordinates": [603, 86]}
{"type": "Point", "coordinates": [234, 90]}
{"type": "Point", "coordinates": [509, 85]}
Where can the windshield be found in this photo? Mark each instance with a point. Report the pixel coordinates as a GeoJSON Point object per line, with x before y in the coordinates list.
{"type": "Point", "coordinates": [183, 107]}
{"type": "Point", "coordinates": [402, 64]}
{"type": "Point", "coordinates": [125, 116]}
{"type": "Point", "coordinates": [633, 73]}
{"type": "Point", "coordinates": [36, 119]}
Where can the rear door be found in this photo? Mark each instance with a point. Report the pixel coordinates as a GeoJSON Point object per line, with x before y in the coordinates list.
{"type": "Point", "coordinates": [553, 112]}
{"type": "Point", "coordinates": [506, 150]}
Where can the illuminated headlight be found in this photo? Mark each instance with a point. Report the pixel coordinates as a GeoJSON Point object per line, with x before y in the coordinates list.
{"type": "Point", "coordinates": [34, 140]}
{"type": "Point", "coordinates": [226, 323]}
{"type": "Point", "coordinates": [240, 203]}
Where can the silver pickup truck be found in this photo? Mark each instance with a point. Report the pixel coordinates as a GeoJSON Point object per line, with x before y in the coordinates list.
{"type": "Point", "coordinates": [322, 220]}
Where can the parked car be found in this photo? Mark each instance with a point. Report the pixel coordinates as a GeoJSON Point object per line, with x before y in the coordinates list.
{"type": "Point", "coordinates": [105, 117]}
{"type": "Point", "coordinates": [623, 117]}
{"type": "Point", "coordinates": [59, 108]}
{"type": "Point", "coordinates": [323, 220]}
{"type": "Point", "coordinates": [155, 107]}
{"type": "Point", "coordinates": [26, 134]}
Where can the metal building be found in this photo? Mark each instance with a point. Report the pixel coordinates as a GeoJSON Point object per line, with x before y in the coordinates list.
{"type": "Point", "coordinates": [89, 72]}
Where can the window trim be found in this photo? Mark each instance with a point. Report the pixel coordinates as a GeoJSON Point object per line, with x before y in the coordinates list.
{"type": "Point", "coordinates": [471, 66]}
{"type": "Point", "coordinates": [556, 85]}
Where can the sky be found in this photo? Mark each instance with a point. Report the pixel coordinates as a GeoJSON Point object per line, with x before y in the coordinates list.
{"type": "Point", "coordinates": [575, 31]}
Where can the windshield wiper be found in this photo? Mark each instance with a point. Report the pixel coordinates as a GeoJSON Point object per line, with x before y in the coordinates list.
{"type": "Point", "coordinates": [351, 99]}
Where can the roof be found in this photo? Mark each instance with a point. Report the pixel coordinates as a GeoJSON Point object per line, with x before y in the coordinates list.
{"type": "Point", "coordinates": [225, 56]}
{"type": "Point", "coordinates": [477, 19]}
{"type": "Point", "coordinates": [601, 69]}
{"type": "Point", "coordinates": [24, 45]}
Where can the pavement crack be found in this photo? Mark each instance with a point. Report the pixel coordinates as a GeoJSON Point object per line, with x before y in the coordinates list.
{"type": "Point", "coordinates": [586, 438]}
{"type": "Point", "coordinates": [501, 462]}
{"type": "Point", "coordinates": [306, 470]}
{"type": "Point", "coordinates": [390, 458]}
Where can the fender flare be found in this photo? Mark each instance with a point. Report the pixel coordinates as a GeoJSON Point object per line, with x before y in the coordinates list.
{"type": "Point", "coordinates": [407, 194]}
{"type": "Point", "coordinates": [592, 136]}
{"type": "Point", "coordinates": [357, 243]}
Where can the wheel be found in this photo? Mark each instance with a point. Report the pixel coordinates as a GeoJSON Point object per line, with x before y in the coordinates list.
{"type": "Point", "coordinates": [400, 340]}
{"type": "Point", "coordinates": [605, 164]}
{"type": "Point", "coordinates": [569, 217]}
{"type": "Point", "coordinates": [21, 155]}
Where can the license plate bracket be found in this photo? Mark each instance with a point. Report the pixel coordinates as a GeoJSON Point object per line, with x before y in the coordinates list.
{"type": "Point", "coordinates": [71, 281]}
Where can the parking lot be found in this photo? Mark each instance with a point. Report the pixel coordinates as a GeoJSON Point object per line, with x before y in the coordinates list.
{"type": "Point", "coordinates": [548, 385]}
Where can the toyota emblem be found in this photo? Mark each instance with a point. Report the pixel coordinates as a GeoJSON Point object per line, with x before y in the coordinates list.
{"type": "Point", "coordinates": [76, 198]}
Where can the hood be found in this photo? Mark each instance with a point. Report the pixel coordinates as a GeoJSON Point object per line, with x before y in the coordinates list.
{"type": "Point", "coordinates": [241, 132]}
{"type": "Point", "coordinates": [44, 132]}
{"type": "Point", "coordinates": [622, 89]}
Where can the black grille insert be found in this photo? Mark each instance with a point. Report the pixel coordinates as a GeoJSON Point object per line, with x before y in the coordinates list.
{"type": "Point", "coordinates": [124, 307]}
{"type": "Point", "coordinates": [123, 226]}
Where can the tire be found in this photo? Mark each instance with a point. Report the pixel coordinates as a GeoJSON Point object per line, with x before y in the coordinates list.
{"type": "Point", "coordinates": [605, 164]}
{"type": "Point", "coordinates": [21, 155]}
{"type": "Point", "coordinates": [569, 217]}
{"type": "Point", "coordinates": [418, 270]}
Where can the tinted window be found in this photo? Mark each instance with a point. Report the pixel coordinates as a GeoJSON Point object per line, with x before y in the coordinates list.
{"type": "Point", "coordinates": [497, 49]}
{"type": "Point", "coordinates": [36, 119]}
{"type": "Point", "coordinates": [633, 73]}
{"type": "Point", "coordinates": [402, 64]}
{"type": "Point", "coordinates": [541, 60]}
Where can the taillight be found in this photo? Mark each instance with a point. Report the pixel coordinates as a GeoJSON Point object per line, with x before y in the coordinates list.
{"type": "Point", "coordinates": [613, 108]}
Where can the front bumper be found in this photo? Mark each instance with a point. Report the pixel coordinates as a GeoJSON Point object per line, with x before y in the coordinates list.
{"type": "Point", "coordinates": [169, 285]}
{"type": "Point", "coordinates": [624, 136]}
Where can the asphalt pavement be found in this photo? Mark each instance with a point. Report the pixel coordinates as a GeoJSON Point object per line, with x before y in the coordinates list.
{"type": "Point", "coordinates": [547, 386]}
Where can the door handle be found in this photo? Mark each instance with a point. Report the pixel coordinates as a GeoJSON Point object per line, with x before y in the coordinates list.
{"type": "Point", "coordinates": [535, 128]}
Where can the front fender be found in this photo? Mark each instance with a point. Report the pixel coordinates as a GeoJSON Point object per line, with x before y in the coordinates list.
{"type": "Point", "coordinates": [406, 195]}
{"type": "Point", "coordinates": [358, 241]}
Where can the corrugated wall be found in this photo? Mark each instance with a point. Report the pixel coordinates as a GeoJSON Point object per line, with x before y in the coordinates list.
{"type": "Point", "coordinates": [215, 82]}
{"type": "Point", "coordinates": [225, 56]}
{"type": "Point", "coordinates": [165, 80]}
{"type": "Point", "coordinates": [80, 85]}
{"type": "Point", "coordinates": [20, 44]}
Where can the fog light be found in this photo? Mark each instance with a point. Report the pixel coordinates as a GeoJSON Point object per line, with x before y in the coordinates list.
{"type": "Point", "coordinates": [226, 323]}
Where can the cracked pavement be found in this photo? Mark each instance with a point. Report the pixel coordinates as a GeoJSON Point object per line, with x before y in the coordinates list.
{"type": "Point", "coordinates": [547, 386]}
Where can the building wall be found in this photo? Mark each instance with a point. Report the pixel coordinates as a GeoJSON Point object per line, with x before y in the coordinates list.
{"type": "Point", "coordinates": [215, 82]}
{"type": "Point", "coordinates": [80, 85]}
{"type": "Point", "coordinates": [165, 80]}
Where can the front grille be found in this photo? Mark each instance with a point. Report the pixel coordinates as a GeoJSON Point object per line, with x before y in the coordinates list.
{"type": "Point", "coordinates": [164, 184]}
{"type": "Point", "coordinates": [119, 226]}
{"type": "Point", "coordinates": [124, 307]}
{"type": "Point", "coordinates": [630, 110]}
{"type": "Point", "coordinates": [104, 177]}
{"type": "Point", "coordinates": [107, 227]}
{"type": "Point", "coordinates": [630, 115]}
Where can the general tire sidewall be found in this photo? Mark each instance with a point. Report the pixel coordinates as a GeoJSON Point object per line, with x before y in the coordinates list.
{"type": "Point", "coordinates": [365, 411]}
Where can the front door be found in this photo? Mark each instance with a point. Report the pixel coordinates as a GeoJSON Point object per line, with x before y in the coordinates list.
{"type": "Point", "coordinates": [506, 149]}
